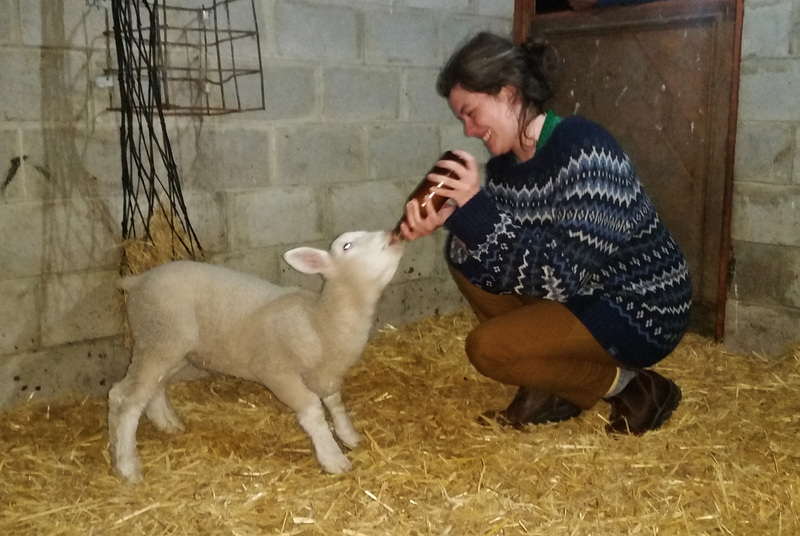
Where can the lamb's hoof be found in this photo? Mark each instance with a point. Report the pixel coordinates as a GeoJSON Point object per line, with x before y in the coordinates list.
{"type": "Point", "coordinates": [173, 428]}
{"type": "Point", "coordinates": [351, 441]}
{"type": "Point", "coordinates": [131, 472]}
{"type": "Point", "coordinates": [337, 466]}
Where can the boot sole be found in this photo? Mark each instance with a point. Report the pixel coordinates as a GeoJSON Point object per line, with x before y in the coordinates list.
{"type": "Point", "coordinates": [669, 406]}
{"type": "Point", "coordinates": [499, 416]}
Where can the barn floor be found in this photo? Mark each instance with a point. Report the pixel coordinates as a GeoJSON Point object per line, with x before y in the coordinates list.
{"type": "Point", "coordinates": [728, 462]}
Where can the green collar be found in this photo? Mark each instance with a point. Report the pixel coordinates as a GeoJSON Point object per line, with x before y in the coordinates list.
{"type": "Point", "coordinates": [551, 121]}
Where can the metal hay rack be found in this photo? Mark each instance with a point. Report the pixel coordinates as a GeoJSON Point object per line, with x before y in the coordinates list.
{"type": "Point", "coordinates": [202, 59]}
{"type": "Point", "coordinates": [174, 59]}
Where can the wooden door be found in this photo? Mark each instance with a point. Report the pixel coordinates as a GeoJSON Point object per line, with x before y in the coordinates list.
{"type": "Point", "coordinates": [659, 77]}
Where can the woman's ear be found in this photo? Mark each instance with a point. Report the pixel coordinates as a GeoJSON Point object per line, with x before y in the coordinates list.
{"type": "Point", "coordinates": [508, 94]}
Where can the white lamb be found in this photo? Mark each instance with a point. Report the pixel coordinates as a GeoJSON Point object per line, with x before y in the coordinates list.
{"type": "Point", "coordinates": [299, 344]}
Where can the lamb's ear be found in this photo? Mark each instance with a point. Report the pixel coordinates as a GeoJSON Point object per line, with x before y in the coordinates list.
{"type": "Point", "coordinates": [308, 260]}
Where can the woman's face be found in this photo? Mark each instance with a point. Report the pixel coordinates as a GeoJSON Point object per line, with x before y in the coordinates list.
{"type": "Point", "coordinates": [489, 117]}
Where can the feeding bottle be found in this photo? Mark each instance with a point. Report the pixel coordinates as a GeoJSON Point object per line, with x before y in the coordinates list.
{"type": "Point", "coordinates": [423, 194]}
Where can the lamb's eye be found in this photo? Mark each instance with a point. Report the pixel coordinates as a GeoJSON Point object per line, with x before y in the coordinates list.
{"type": "Point", "coordinates": [347, 246]}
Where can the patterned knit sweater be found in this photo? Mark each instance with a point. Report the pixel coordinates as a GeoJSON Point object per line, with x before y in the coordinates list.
{"type": "Point", "coordinates": [573, 225]}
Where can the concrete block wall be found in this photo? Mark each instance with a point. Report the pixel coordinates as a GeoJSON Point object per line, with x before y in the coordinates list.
{"type": "Point", "coordinates": [763, 308]}
{"type": "Point", "coordinates": [352, 122]}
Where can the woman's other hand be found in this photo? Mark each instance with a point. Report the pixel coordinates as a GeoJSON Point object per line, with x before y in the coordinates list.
{"type": "Point", "coordinates": [423, 221]}
{"type": "Point", "coordinates": [466, 184]}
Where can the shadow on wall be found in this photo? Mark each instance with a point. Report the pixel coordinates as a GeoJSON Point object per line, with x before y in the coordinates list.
{"type": "Point", "coordinates": [67, 250]}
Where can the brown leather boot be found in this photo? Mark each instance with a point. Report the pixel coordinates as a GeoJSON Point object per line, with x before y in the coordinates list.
{"type": "Point", "coordinates": [644, 404]}
{"type": "Point", "coordinates": [534, 407]}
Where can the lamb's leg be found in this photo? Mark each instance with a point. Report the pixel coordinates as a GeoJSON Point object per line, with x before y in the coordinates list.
{"type": "Point", "coordinates": [292, 391]}
{"type": "Point", "coordinates": [128, 398]}
{"type": "Point", "coordinates": [161, 412]}
{"type": "Point", "coordinates": [329, 455]}
{"type": "Point", "coordinates": [123, 420]}
{"type": "Point", "coordinates": [342, 424]}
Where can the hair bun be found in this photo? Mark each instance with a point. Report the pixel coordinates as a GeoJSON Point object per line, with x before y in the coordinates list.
{"type": "Point", "coordinates": [544, 61]}
{"type": "Point", "coordinates": [535, 46]}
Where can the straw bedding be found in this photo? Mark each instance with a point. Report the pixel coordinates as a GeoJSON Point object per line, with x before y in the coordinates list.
{"type": "Point", "coordinates": [728, 462]}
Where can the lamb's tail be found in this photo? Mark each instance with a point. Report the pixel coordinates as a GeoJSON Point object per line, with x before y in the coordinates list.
{"type": "Point", "coordinates": [128, 282]}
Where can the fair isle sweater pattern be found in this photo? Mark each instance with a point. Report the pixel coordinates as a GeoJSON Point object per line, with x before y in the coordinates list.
{"type": "Point", "coordinates": [574, 221]}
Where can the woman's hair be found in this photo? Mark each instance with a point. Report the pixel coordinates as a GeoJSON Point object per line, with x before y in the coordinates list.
{"type": "Point", "coordinates": [488, 62]}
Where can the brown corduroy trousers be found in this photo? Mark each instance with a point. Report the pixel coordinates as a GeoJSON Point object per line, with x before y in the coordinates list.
{"type": "Point", "coordinates": [536, 343]}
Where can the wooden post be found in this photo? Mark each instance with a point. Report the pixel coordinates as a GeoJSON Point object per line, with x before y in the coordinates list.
{"type": "Point", "coordinates": [523, 13]}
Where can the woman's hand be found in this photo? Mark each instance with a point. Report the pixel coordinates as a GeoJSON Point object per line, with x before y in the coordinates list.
{"type": "Point", "coordinates": [423, 221]}
{"type": "Point", "coordinates": [465, 186]}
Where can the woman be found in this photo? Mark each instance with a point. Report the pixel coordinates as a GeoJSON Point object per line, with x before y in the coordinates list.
{"type": "Point", "coordinates": [577, 284]}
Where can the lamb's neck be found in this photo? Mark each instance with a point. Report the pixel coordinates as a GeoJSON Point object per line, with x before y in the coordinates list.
{"type": "Point", "coordinates": [348, 306]}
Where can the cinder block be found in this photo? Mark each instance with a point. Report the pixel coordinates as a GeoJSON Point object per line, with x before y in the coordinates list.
{"type": "Point", "coordinates": [763, 330]}
{"type": "Point", "coordinates": [430, 296]}
{"type": "Point", "coordinates": [67, 91]}
{"type": "Point", "coordinates": [363, 3]}
{"type": "Point", "coordinates": [9, 22]}
{"type": "Point", "coordinates": [766, 275]}
{"type": "Point", "coordinates": [227, 157]}
{"type": "Point", "coordinates": [796, 167]}
{"type": "Point", "coordinates": [65, 163]}
{"type": "Point", "coordinates": [317, 32]}
{"type": "Point", "coordinates": [274, 216]}
{"type": "Point", "coordinates": [404, 302]}
{"type": "Point", "coordinates": [403, 37]}
{"type": "Point", "coordinates": [85, 369]}
{"type": "Point", "coordinates": [319, 154]}
{"type": "Point", "coordinates": [99, 159]}
{"type": "Point", "coordinates": [402, 151]}
{"type": "Point", "coordinates": [767, 29]}
{"type": "Point", "coordinates": [12, 188]}
{"type": "Point", "coordinates": [368, 206]}
{"type": "Point", "coordinates": [444, 5]}
{"type": "Point", "coordinates": [361, 94]}
{"type": "Point", "coordinates": [390, 309]}
{"type": "Point", "coordinates": [419, 260]}
{"type": "Point", "coordinates": [768, 90]}
{"type": "Point", "coordinates": [70, 23]}
{"type": "Point", "coordinates": [766, 214]}
{"type": "Point", "coordinates": [290, 92]}
{"type": "Point", "coordinates": [764, 152]}
{"type": "Point", "coordinates": [80, 306]}
{"type": "Point", "coordinates": [496, 8]}
{"type": "Point", "coordinates": [19, 323]}
{"type": "Point", "coordinates": [79, 234]}
{"type": "Point", "coordinates": [208, 217]}
{"type": "Point", "coordinates": [457, 30]}
{"type": "Point", "coordinates": [22, 99]}
{"type": "Point", "coordinates": [261, 262]}
{"type": "Point", "coordinates": [423, 103]}
{"type": "Point", "coordinates": [22, 240]}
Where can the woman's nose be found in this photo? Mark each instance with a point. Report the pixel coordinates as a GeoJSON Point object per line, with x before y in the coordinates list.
{"type": "Point", "coordinates": [470, 130]}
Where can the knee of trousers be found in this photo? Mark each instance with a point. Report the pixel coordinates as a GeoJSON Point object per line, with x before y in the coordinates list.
{"type": "Point", "coordinates": [480, 351]}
